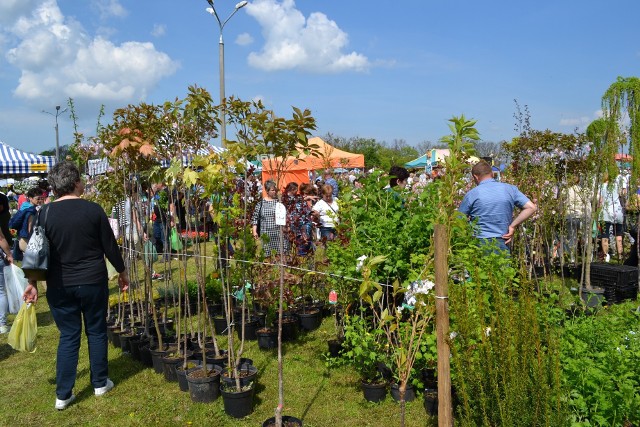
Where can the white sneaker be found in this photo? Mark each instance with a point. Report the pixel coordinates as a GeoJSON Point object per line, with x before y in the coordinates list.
{"type": "Point", "coordinates": [4, 329]}
{"type": "Point", "coordinates": [100, 391]}
{"type": "Point", "coordinates": [62, 404]}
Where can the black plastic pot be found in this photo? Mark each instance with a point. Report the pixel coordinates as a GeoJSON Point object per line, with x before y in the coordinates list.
{"type": "Point", "coordinates": [220, 360]}
{"type": "Point", "coordinates": [409, 393]}
{"type": "Point", "coordinates": [181, 373]}
{"type": "Point", "coordinates": [135, 344]}
{"type": "Point", "coordinates": [591, 297]}
{"type": "Point", "coordinates": [156, 358]}
{"type": "Point", "coordinates": [289, 328]}
{"type": "Point", "coordinates": [116, 337]}
{"type": "Point", "coordinates": [145, 355]}
{"type": "Point", "coordinates": [374, 392]}
{"type": "Point", "coordinates": [248, 374]}
{"type": "Point", "coordinates": [169, 365]}
{"type": "Point", "coordinates": [125, 341]}
{"type": "Point", "coordinates": [431, 401]}
{"type": "Point", "coordinates": [334, 347]}
{"type": "Point", "coordinates": [311, 320]}
{"type": "Point", "coordinates": [429, 378]}
{"type": "Point", "coordinates": [292, 421]}
{"type": "Point", "coordinates": [204, 389]}
{"type": "Point", "coordinates": [220, 325]}
{"type": "Point", "coordinates": [250, 328]}
{"type": "Point", "coordinates": [267, 339]}
{"type": "Point", "coordinates": [238, 404]}
{"type": "Point", "coordinates": [110, 329]}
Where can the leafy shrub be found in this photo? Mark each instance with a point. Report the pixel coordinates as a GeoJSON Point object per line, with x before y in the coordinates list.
{"type": "Point", "coordinates": [600, 357]}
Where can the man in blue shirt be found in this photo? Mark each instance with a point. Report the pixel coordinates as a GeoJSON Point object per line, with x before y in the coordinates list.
{"type": "Point", "coordinates": [491, 203]}
{"type": "Point", "coordinates": [329, 179]}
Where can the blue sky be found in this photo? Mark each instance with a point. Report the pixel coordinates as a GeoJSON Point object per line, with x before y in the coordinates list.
{"type": "Point", "coordinates": [378, 69]}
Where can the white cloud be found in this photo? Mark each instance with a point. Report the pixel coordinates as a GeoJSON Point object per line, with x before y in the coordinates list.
{"type": "Point", "coordinates": [159, 30]}
{"type": "Point", "coordinates": [58, 60]}
{"type": "Point", "coordinates": [244, 39]}
{"type": "Point", "coordinates": [292, 42]}
{"type": "Point", "coordinates": [110, 8]}
{"type": "Point", "coordinates": [11, 10]}
{"type": "Point", "coordinates": [578, 121]}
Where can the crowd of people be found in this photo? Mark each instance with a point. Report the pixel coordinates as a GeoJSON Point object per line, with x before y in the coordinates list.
{"type": "Point", "coordinates": [82, 236]}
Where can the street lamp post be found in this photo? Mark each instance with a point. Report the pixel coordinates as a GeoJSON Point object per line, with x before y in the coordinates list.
{"type": "Point", "coordinates": [58, 112]}
{"type": "Point", "coordinates": [221, 24]}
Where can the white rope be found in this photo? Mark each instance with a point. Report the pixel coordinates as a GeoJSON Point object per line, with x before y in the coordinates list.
{"type": "Point", "coordinates": [132, 252]}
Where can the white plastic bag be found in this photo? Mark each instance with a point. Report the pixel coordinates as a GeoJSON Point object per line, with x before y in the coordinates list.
{"type": "Point", "coordinates": [14, 283]}
{"type": "Point", "coordinates": [111, 270]}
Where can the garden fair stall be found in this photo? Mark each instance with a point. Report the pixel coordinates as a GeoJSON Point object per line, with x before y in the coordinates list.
{"type": "Point", "coordinates": [101, 166]}
{"type": "Point", "coordinates": [17, 162]}
{"type": "Point", "coordinates": [294, 169]}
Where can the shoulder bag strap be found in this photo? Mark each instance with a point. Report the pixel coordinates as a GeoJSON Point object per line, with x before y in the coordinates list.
{"type": "Point", "coordinates": [45, 217]}
{"type": "Point", "coordinates": [259, 223]}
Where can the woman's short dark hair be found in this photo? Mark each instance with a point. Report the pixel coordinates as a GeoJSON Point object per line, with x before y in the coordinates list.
{"type": "Point", "coordinates": [34, 192]}
{"type": "Point", "coordinates": [270, 185]}
{"type": "Point", "coordinates": [397, 173]}
{"type": "Point", "coordinates": [292, 186]}
{"type": "Point", "coordinates": [63, 178]}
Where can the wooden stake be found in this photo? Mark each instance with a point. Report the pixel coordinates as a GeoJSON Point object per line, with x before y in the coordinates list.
{"type": "Point", "coordinates": [441, 242]}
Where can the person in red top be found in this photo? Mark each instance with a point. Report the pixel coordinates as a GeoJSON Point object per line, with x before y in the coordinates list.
{"type": "Point", "coordinates": [21, 199]}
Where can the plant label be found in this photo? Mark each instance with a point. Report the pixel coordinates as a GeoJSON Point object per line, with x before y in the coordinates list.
{"type": "Point", "coordinates": [333, 297]}
{"type": "Point", "coordinates": [281, 214]}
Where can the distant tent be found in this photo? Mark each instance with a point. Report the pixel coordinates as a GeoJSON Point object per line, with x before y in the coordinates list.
{"type": "Point", "coordinates": [16, 162]}
{"type": "Point", "coordinates": [421, 162]}
{"type": "Point", "coordinates": [297, 169]}
{"type": "Point", "coordinates": [623, 157]}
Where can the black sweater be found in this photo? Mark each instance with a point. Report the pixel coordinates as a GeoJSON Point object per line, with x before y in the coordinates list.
{"type": "Point", "coordinates": [79, 237]}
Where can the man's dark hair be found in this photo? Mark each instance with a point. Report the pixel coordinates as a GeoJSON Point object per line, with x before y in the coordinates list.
{"type": "Point", "coordinates": [481, 169]}
{"type": "Point", "coordinates": [397, 173]}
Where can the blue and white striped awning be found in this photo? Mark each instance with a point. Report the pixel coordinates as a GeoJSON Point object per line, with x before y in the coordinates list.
{"type": "Point", "coordinates": [16, 162]}
{"type": "Point", "coordinates": [101, 166]}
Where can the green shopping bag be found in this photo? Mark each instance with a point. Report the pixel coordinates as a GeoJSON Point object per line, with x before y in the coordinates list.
{"type": "Point", "coordinates": [22, 336]}
{"type": "Point", "coordinates": [176, 243]}
{"type": "Point", "coordinates": [150, 253]}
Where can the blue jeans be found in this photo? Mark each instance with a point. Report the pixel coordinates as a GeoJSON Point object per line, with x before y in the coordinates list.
{"type": "Point", "coordinates": [69, 306]}
{"type": "Point", "coordinates": [328, 232]}
{"type": "Point", "coordinates": [159, 237]}
{"type": "Point", "coordinates": [495, 245]}
{"type": "Point", "coordinates": [4, 302]}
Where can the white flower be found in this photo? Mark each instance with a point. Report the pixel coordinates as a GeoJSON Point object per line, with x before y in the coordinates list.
{"type": "Point", "coordinates": [487, 331]}
{"type": "Point", "coordinates": [452, 335]}
{"type": "Point", "coordinates": [360, 262]}
{"type": "Point", "coordinates": [419, 287]}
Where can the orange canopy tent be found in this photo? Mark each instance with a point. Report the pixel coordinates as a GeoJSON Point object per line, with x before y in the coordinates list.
{"type": "Point", "coordinates": [294, 169]}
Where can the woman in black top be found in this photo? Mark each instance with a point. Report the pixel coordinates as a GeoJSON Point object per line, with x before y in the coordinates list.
{"type": "Point", "coordinates": [77, 284]}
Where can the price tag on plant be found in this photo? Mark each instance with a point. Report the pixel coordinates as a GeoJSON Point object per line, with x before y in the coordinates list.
{"type": "Point", "coordinates": [281, 214]}
{"type": "Point", "coordinates": [333, 297]}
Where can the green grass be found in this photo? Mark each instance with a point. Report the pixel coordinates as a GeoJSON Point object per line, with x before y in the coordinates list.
{"type": "Point", "coordinates": [320, 396]}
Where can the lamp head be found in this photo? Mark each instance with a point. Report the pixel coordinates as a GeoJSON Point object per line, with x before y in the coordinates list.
{"type": "Point", "coordinates": [57, 108]}
{"type": "Point", "coordinates": [211, 11]}
{"type": "Point", "coordinates": [241, 4]}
